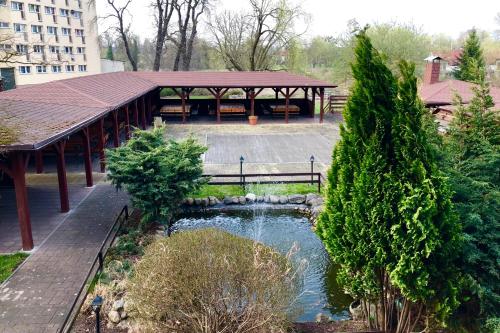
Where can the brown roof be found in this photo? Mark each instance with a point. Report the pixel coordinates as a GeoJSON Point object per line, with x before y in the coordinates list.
{"type": "Point", "coordinates": [443, 93]}
{"type": "Point", "coordinates": [42, 114]}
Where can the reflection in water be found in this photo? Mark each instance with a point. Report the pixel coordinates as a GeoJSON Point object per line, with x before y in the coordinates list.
{"type": "Point", "coordinates": [282, 229]}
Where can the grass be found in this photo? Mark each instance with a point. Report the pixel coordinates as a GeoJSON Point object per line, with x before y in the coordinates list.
{"type": "Point", "coordinates": [220, 191]}
{"type": "Point", "coordinates": [8, 264]}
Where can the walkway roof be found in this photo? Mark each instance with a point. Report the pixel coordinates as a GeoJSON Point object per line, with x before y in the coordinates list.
{"type": "Point", "coordinates": [41, 114]}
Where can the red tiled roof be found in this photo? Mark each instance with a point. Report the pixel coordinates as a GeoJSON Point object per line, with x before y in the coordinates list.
{"type": "Point", "coordinates": [43, 113]}
{"type": "Point", "coordinates": [443, 93]}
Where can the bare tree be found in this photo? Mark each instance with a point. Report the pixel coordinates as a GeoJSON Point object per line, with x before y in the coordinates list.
{"type": "Point", "coordinates": [189, 13]}
{"type": "Point", "coordinates": [266, 30]}
{"type": "Point", "coordinates": [119, 14]}
{"type": "Point", "coordinates": [163, 14]}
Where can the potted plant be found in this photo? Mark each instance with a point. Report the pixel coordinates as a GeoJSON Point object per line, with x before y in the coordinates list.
{"type": "Point", "coordinates": [252, 120]}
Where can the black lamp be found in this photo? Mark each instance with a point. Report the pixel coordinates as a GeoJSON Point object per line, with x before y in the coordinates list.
{"type": "Point", "coordinates": [96, 306]}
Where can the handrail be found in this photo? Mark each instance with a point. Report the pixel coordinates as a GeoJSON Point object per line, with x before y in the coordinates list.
{"type": "Point", "coordinates": [110, 237]}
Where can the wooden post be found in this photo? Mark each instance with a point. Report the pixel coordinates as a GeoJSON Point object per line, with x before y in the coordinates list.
{"type": "Point", "coordinates": [313, 110]}
{"type": "Point", "coordinates": [252, 102]}
{"type": "Point", "coordinates": [101, 144]}
{"type": "Point", "coordinates": [116, 130]}
{"type": "Point", "coordinates": [136, 114]}
{"type": "Point", "coordinates": [150, 110]}
{"type": "Point", "coordinates": [287, 102]}
{"type": "Point", "coordinates": [39, 161]}
{"type": "Point", "coordinates": [183, 102]}
{"type": "Point", "coordinates": [276, 90]}
{"type": "Point", "coordinates": [321, 104]}
{"type": "Point", "coordinates": [87, 156]}
{"type": "Point", "coordinates": [218, 90]}
{"type": "Point", "coordinates": [127, 123]}
{"type": "Point", "coordinates": [61, 175]}
{"type": "Point", "coordinates": [306, 91]}
{"type": "Point", "coordinates": [143, 112]}
{"type": "Point", "coordinates": [18, 174]}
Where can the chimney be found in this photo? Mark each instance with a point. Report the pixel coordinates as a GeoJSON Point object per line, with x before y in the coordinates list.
{"type": "Point", "coordinates": [432, 69]}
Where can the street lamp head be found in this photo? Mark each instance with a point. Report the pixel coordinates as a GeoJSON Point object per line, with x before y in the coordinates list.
{"type": "Point", "coordinates": [311, 158]}
{"type": "Point", "coordinates": [242, 158]}
{"type": "Point", "coordinates": [97, 303]}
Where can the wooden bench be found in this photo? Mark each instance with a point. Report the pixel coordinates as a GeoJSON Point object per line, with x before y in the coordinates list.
{"type": "Point", "coordinates": [231, 110]}
{"type": "Point", "coordinates": [280, 110]}
{"type": "Point", "coordinates": [174, 110]}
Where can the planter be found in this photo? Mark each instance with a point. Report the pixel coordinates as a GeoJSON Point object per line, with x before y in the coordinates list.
{"type": "Point", "coordinates": [252, 120]}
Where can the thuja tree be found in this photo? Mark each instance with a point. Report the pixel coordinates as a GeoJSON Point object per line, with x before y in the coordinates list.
{"type": "Point", "coordinates": [471, 64]}
{"type": "Point", "coordinates": [473, 163]}
{"type": "Point", "coordinates": [158, 174]}
{"type": "Point", "coordinates": [388, 221]}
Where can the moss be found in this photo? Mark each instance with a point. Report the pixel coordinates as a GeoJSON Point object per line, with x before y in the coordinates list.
{"type": "Point", "coordinates": [7, 135]}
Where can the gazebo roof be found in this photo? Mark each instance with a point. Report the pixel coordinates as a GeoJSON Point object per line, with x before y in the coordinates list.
{"type": "Point", "coordinates": [42, 114]}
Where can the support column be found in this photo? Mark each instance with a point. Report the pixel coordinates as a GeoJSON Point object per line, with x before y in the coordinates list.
{"type": "Point", "coordinates": [39, 161]}
{"type": "Point", "coordinates": [61, 176]}
{"type": "Point", "coordinates": [116, 129]}
{"type": "Point", "coordinates": [276, 94]}
{"type": "Point", "coordinates": [287, 103]}
{"type": "Point", "coordinates": [321, 104]}
{"type": "Point", "coordinates": [217, 90]}
{"type": "Point", "coordinates": [101, 144]}
{"type": "Point", "coordinates": [313, 111]}
{"type": "Point", "coordinates": [252, 102]}
{"type": "Point", "coordinates": [87, 156]}
{"type": "Point", "coordinates": [23, 212]}
{"type": "Point", "coordinates": [143, 112]}
{"type": "Point", "coordinates": [150, 110]}
{"type": "Point", "coordinates": [136, 114]}
{"type": "Point", "coordinates": [127, 123]}
{"type": "Point", "coordinates": [183, 103]}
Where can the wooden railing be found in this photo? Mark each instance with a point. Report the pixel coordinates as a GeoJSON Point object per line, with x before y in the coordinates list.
{"type": "Point", "coordinates": [336, 103]}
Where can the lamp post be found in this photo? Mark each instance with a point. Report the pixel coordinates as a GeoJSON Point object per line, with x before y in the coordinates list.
{"type": "Point", "coordinates": [242, 159]}
{"type": "Point", "coordinates": [96, 306]}
{"type": "Point", "coordinates": [311, 159]}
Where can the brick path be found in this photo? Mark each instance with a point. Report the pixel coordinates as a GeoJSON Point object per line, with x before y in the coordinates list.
{"type": "Point", "coordinates": [39, 295]}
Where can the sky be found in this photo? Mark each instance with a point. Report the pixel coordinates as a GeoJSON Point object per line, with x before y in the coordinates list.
{"type": "Point", "coordinates": [329, 17]}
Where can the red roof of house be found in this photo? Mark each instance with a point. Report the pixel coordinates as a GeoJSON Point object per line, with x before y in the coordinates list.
{"type": "Point", "coordinates": [451, 57]}
{"type": "Point", "coordinates": [443, 93]}
{"type": "Point", "coordinates": [43, 113]}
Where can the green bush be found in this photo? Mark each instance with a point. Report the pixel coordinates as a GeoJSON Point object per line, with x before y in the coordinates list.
{"type": "Point", "coordinates": [167, 92]}
{"type": "Point", "coordinates": [211, 281]}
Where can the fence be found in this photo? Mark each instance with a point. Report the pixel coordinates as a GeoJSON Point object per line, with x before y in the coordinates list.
{"type": "Point", "coordinates": [337, 102]}
{"type": "Point", "coordinates": [242, 179]}
{"type": "Point", "coordinates": [97, 266]}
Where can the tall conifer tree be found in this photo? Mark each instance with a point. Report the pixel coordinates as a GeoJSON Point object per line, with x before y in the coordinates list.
{"type": "Point", "coordinates": [471, 64]}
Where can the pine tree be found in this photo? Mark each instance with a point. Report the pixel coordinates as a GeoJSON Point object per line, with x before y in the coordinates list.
{"type": "Point", "coordinates": [109, 53]}
{"type": "Point", "coordinates": [471, 64]}
{"type": "Point", "coordinates": [388, 221]}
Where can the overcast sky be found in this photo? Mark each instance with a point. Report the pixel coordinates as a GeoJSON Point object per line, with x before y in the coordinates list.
{"type": "Point", "coordinates": [329, 17]}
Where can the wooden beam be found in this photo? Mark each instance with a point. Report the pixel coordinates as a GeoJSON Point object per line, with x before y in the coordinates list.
{"type": "Point", "coordinates": [321, 104]}
{"type": "Point", "coordinates": [18, 173]}
{"type": "Point", "coordinates": [101, 143]}
{"type": "Point", "coordinates": [252, 102]}
{"type": "Point", "coordinates": [135, 105]}
{"type": "Point", "coordinates": [276, 93]}
{"type": "Point", "coordinates": [183, 102]}
{"type": "Point", "coordinates": [61, 175]}
{"type": "Point", "coordinates": [143, 113]}
{"type": "Point", "coordinates": [87, 156]}
{"type": "Point", "coordinates": [287, 102]}
{"type": "Point", "coordinates": [313, 104]}
{"type": "Point", "coordinates": [217, 96]}
{"type": "Point", "coordinates": [293, 91]}
{"type": "Point", "coordinates": [116, 130]}
{"type": "Point", "coordinates": [149, 111]}
{"type": "Point", "coordinates": [39, 161]}
{"type": "Point", "coordinates": [127, 123]}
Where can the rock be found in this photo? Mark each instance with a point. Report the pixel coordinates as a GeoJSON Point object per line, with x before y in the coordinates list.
{"type": "Point", "coordinates": [296, 198]}
{"type": "Point", "coordinates": [236, 200]}
{"type": "Point", "coordinates": [311, 196]}
{"type": "Point", "coordinates": [189, 201]}
{"type": "Point", "coordinates": [260, 198]}
{"type": "Point", "coordinates": [274, 199]}
{"type": "Point", "coordinates": [322, 318]}
{"type": "Point", "coordinates": [356, 310]}
{"type": "Point", "coordinates": [127, 306]}
{"type": "Point", "coordinates": [114, 316]}
{"type": "Point", "coordinates": [316, 210]}
{"type": "Point", "coordinates": [228, 200]}
{"type": "Point", "coordinates": [283, 199]}
{"type": "Point", "coordinates": [123, 315]}
{"type": "Point", "coordinates": [205, 202]}
{"type": "Point", "coordinates": [197, 201]}
{"type": "Point", "coordinates": [212, 201]}
{"type": "Point", "coordinates": [118, 305]}
{"type": "Point", "coordinates": [250, 197]}
{"type": "Point", "coordinates": [267, 198]}
{"type": "Point", "coordinates": [315, 202]}
{"type": "Point", "coordinates": [242, 200]}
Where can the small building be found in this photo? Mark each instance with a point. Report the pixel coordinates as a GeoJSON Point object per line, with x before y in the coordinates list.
{"type": "Point", "coordinates": [110, 66]}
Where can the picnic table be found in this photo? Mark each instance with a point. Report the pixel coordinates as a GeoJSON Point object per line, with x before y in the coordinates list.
{"type": "Point", "coordinates": [174, 110]}
{"type": "Point", "coordinates": [279, 110]}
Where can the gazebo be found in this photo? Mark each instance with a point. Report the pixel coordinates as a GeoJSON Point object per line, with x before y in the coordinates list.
{"type": "Point", "coordinates": [85, 115]}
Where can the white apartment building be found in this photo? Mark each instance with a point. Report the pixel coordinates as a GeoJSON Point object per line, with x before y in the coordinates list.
{"type": "Point", "coordinates": [46, 40]}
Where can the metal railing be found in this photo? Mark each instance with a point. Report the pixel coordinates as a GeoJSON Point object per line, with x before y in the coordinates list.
{"type": "Point", "coordinates": [243, 179]}
{"type": "Point", "coordinates": [97, 266]}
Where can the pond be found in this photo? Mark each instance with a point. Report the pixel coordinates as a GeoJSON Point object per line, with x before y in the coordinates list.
{"type": "Point", "coordinates": [281, 228]}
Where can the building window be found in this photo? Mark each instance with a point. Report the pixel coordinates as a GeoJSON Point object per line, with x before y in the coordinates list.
{"type": "Point", "coordinates": [68, 50]}
{"type": "Point", "coordinates": [77, 14]}
{"type": "Point", "coordinates": [36, 29]}
{"type": "Point", "coordinates": [33, 8]}
{"type": "Point", "coordinates": [80, 50]}
{"type": "Point", "coordinates": [4, 25]}
{"type": "Point", "coordinates": [51, 30]}
{"type": "Point", "coordinates": [63, 12]}
{"type": "Point", "coordinates": [38, 48]}
{"type": "Point", "coordinates": [50, 10]}
{"type": "Point", "coordinates": [79, 32]}
{"type": "Point", "coordinates": [65, 31]}
{"type": "Point", "coordinates": [40, 69]}
{"type": "Point", "coordinates": [3, 2]}
{"type": "Point", "coordinates": [82, 68]}
{"type": "Point", "coordinates": [14, 5]}
{"type": "Point", "coordinates": [54, 49]}
{"type": "Point", "coordinates": [5, 47]}
{"type": "Point", "coordinates": [21, 48]}
{"type": "Point", "coordinates": [56, 69]}
{"type": "Point", "coordinates": [70, 68]}
{"type": "Point", "coordinates": [19, 27]}
{"type": "Point", "coordinates": [24, 69]}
